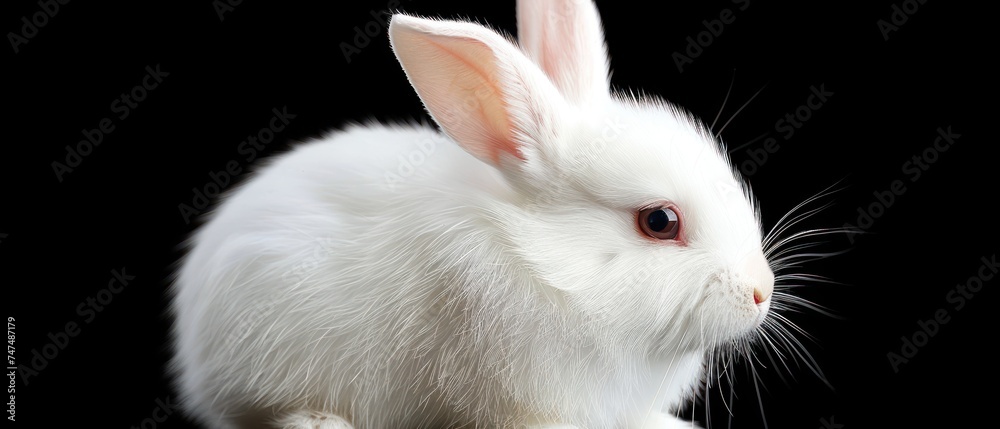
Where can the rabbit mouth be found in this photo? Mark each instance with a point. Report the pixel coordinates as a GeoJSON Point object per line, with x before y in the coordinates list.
{"type": "Point", "coordinates": [763, 308]}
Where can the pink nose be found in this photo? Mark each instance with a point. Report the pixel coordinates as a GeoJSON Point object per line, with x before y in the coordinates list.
{"type": "Point", "coordinates": [757, 270]}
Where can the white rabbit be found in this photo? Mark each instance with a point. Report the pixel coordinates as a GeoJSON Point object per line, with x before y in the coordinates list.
{"type": "Point", "coordinates": [565, 258]}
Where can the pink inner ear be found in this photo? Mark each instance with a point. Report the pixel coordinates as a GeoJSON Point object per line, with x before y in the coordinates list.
{"type": "Point", "coordinates": [461, 85]}
{"type": "Point", "coordinates": [565, 39]}
{"type": "Point", "coordinates": [507, 145]}
{"type": "Point", "coordinates": [559, 59]}
{"type": "Point", "coordinates": [499, 138]}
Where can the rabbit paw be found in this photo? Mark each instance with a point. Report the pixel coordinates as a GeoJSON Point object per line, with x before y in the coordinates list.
{"type": "Point", "coordinates": [547, 426]}
{"type": "Point", "coordinates": [665, 421]}
{"type": "Point", "coordinates": [313, 420]}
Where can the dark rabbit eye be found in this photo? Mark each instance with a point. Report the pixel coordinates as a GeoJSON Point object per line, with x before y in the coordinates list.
{"type": "Point", "coordinates": [661, 223]}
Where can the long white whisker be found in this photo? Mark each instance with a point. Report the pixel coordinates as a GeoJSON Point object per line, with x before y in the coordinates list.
{"type": "Point", "coordinates": [794, 248]}
{"type": "Point", "coordinates": [752, 141]}
{"type": "Point", "coordinates": [802, 277]}
{"type": "Point", "coordinates": [796, 347]}
{"type": "Point", "coordinates": [805, 234]}
{"type": "Point", "coordinates": [724, 100]}
{"type": "Point", "coordinates": [779, 224]}
{"type": "Point", "coordinates": [777, 351]}
{"type": "Point", "coordinates": [760, 400]}
{"type": "Point", "coordinates": [732, 392]}
{"type": "Point", "coordinates": [790, 300]}
{"type": "Point", "coordinates": [799, 259]}
{"type": "Point", "coordinates": [769, 243]}
{"type": "Point", "coordinates": [738, 111]}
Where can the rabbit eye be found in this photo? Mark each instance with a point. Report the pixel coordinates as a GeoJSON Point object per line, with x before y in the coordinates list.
{"type": "Point", "coordinates": [661, 223]}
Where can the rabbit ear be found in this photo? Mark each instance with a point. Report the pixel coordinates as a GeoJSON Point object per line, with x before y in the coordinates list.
{"type": "Point", "coordinates": [477, 85]}
{"type": "Point", "coordinates": [565, 39]}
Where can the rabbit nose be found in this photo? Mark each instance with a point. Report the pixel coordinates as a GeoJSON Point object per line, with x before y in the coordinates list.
{"type": "Point", "coordinates": [758, 271]}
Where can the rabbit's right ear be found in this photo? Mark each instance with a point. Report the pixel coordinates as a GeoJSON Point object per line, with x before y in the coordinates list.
{"type": "Point", "coordinates": [565, 39]}
{"type": "Point", "coordinates": [479, 87]}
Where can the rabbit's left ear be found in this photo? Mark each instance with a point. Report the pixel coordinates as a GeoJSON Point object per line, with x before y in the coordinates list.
{"type": "Point", "coordinates": [481, 89]}
{"type": "Point", "coordinates": [565, 39]}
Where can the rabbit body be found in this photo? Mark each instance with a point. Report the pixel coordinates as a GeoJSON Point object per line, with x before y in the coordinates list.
{"type": "Point", "coordinates": [398, 305]}
{"type": "Point", "coordinates": [493, 275]}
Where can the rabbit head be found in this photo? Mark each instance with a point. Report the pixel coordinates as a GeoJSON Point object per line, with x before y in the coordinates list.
{"type": "Point", "coordinates": [624, 209]}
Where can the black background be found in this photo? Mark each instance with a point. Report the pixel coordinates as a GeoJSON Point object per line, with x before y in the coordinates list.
{"type": "Point", "coordinates": [119, 206]}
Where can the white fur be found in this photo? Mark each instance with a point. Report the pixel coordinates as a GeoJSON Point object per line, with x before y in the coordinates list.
{"type": "Point", "coordinates": [353, 278]}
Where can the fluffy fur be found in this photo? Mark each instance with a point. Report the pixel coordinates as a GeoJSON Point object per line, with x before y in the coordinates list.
{"type": "Point", "coordinates": [491, 276]}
